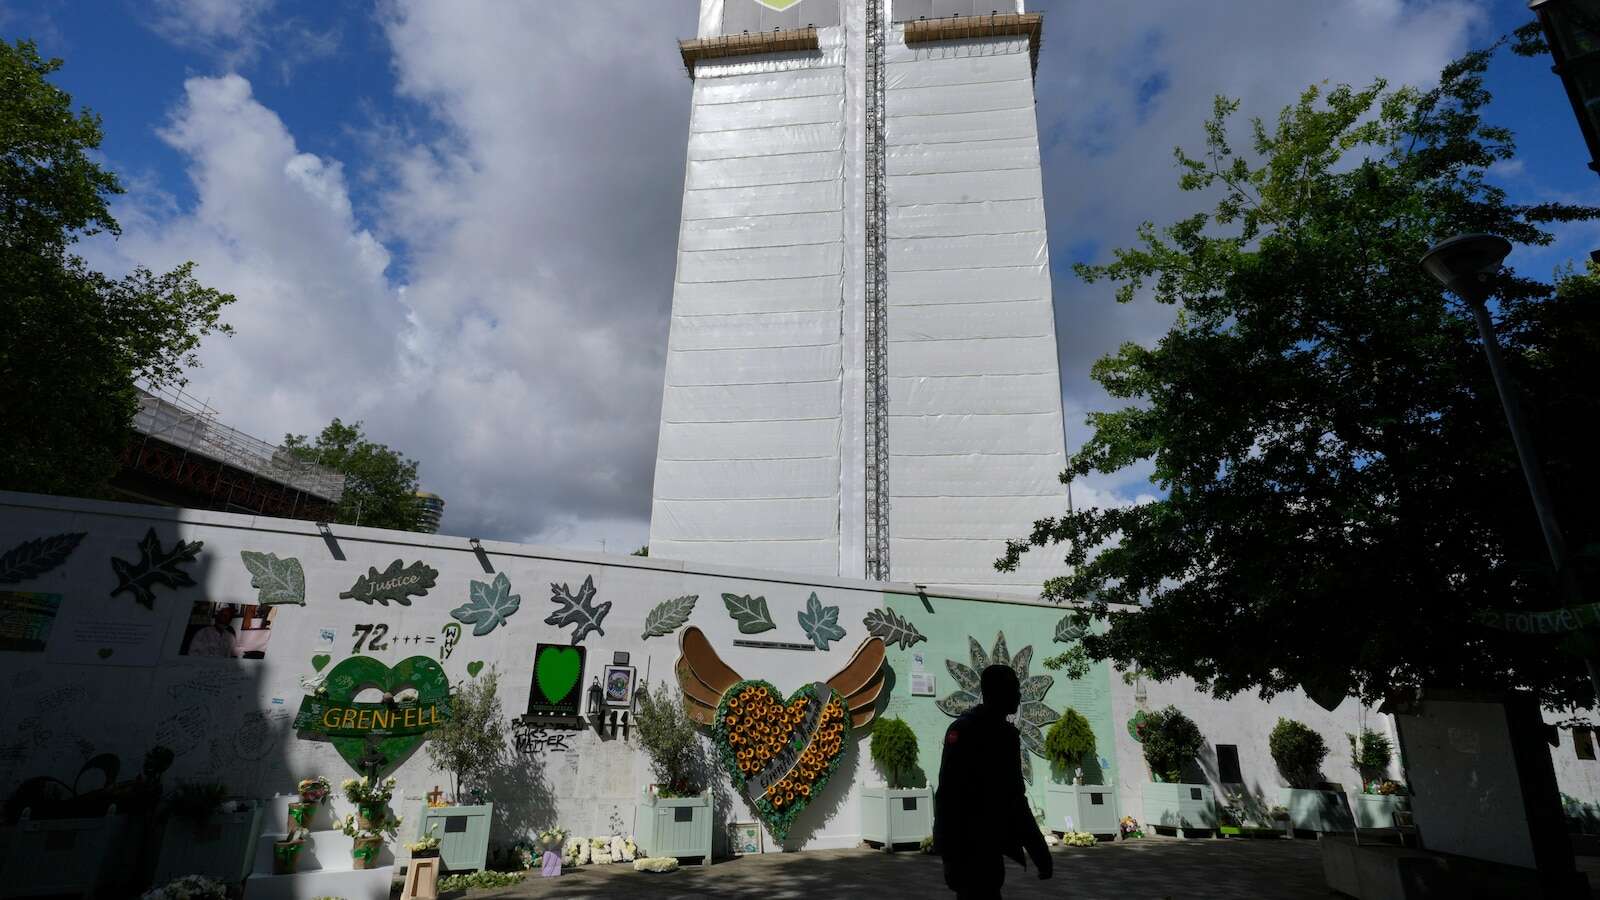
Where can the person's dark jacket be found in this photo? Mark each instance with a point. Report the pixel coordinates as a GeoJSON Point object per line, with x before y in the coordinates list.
{"type": "Point", "coordinates": [981, 809]}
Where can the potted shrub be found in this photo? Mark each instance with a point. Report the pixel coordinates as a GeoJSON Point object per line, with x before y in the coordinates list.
{"type": "Point", "coordinates": [1171, 742]}
{"type": "Point", "coordinates": [1370, 754]}
{"type": "Point", "coordinates": [367, 840]}
{"type": "Point", "coordinates": [207, 834]}
{"type": "Point", "coordinates": [286, 853]}
{"type": "Point", "coordinates": [313, 792]}
{"type": "Point", "coordinates": [1378, 802]}
{"type": "Point", "coordinates": [1069, 745]}
{"type": "Point", "coordinates": [901, 812]}
{"type": "Point", "coordinates": [674, 818]}
{"type": "Point", "coordinates": [1298, 752]}
{"type": "Point", "coordinates": [468, 749]}
{"type": "Point", "coordinates": [425, 847]}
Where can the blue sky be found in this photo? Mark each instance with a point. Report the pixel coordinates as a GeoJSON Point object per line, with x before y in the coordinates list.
{"type": "Point", "coordinates": [457, 221]}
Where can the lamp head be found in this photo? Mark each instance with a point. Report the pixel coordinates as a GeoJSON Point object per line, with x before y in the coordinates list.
{"type": "Point", "coordinates": [1465, 263]}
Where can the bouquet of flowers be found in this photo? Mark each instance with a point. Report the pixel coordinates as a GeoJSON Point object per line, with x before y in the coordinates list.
{"type": "Point", "coordinates": [429, 841]}
{"type": "Point", "coordinates": [315, 789]}
{"type": "Point", "coordinates": [655, 864]}
{"type": "Point", "coordinates": [1130, 827]}
{"type": "Point", "coordinates": [189, 887]}
{"type": "Point", "coordinates": [1079, 839]}
{"type": "Point", "coordinates": [1390, 788]}
{"type": "Point", "coordinates": [600, 851]}
{"type": "Point", "coordinates": [366, 791]}
{"type": "Point", "coordinates": [384, 830]}
{"type": "Point", "coordinates": [552, 839]}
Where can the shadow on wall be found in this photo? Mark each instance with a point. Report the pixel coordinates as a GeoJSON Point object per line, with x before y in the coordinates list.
{"type": "Point", "coordinates": [813, 817]}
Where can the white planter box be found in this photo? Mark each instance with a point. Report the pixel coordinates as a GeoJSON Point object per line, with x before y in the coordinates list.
{"type": "Point", "coordinates": [1377, 810]}
{"type": "Point", "coordinates": [892, 816]}
{"type": "Point", "coordinates": [325, 867]}
{"type": "Point", "coordinates": [223, 847]}
{"type": "Point", "coordinates": [1179, 806]}
{"type": "Point", "coordinates": [1092, 807]}
{"type": "Point", "coordinates": [68, 856]}
{"type": "Point", "coordinates": [1317, 810]}
{"type": "Point", "coordinates": [675, 826]}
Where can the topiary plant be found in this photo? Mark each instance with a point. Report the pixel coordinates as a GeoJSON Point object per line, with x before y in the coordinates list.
{"type": "Point", "coordinates": [1069, 741]}
{"type": "Point", "coordinates": [1370, 753]}
{"type": "Point", "coordinates": [894, 748]}
{"type": "Point", "coordinates": [1171, 739]}
{"type": "Point", "coordinates": [1299, 753]}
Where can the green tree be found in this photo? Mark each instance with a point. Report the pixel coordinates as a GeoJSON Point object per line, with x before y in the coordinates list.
{"type": "Point", "coordinates": [894, 749]}
{"type": "Point", "coordinates": [1339, 492]}
{"type": "Point", "coordinates": [472, 743]}
{"type": "Point", "coordinates": [669, 737]}
{"type": "Point", "coordinates": [380, 487]}
{"type": "Point", "coordinates": [1171, 741]}
{"type": "Point", "coordinates": [75, 341]}
{"type": "Point", "coordinates": [1298, 752]}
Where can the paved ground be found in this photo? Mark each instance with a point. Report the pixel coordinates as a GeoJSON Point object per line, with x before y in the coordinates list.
{"type": "Point", "coordinates": [1148, 869]}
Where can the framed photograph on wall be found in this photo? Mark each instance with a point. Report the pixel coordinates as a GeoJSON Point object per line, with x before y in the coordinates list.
{"type": "Point", "coordinates": [747, 838]}
{"type": "Point", "coordinates": [618, 686]}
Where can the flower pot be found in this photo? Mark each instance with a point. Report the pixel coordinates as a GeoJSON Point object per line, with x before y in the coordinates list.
{"type": "Point", "coordinates": [300, 816]}
{"type": "Point", "coordinates": [286, 856]}
{"type": "Point", "coordinates": [1320, 811]}
{"type": "Point", "coordinates": [371, 815]}
{"type": "Point", "coordinates": [1377, 810]}
{"type": "Point", "coordinates": [364, 855]}
{"type": "Point", "coordinates": [892, 816]}
{"type": "Point", "coordinates": [425, 854]}
{"type": "Point", "coordinates": [1091, 807]}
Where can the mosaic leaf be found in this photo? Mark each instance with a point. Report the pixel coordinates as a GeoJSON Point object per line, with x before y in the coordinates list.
{"type": "Point", "coordinates": [750, 612]}
{"type": "Point", "coordinates": [488, 605]}
{"type": "Point", "coordinates": [980, 660]}
{"type": "Point", "coordinates": [1037, 713]}
{"type": "Point", "coordinates": [1066, 631]}
{"type": "Point", "coordinates": [1035, 687]}
{"type": "Point", "coordinates": [820, 623]}
{"type": "Point", "coordinates": [957, 704]}
{"type": "Point", "coordinates": [964, 676]}
{"type": "Point", "coordinates": [1020, 661]}
{"type": "Point", "coordinates": [155, 567]}
{"type": "Point", "coordinates": [1000, 655]}
{"type": "Point", "coordinates": [892, 628]}
{"type": "Point", "coordinates": [275, 580]}
{"type": "Point", "coordinates": [30, 559]}
{"type": "Point", "coordinates": [398, 582]}
{"type": "Point", "coordinates": [669, 615]}
{"type": "Point", "coordinates": [577, 610]}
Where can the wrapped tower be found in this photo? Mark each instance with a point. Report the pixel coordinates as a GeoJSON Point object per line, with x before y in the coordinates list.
{"type": "Point", "coordinates": [861, 373]}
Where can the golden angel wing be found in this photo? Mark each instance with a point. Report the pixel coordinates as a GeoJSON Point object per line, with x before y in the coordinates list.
{"type": "Point", "coordinates": [861, 681]}
{"type": "Point", "coordinates": [702, 675]}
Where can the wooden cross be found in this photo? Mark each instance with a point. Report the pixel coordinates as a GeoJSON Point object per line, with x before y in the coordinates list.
{"type": "Point", "coordinates": [434, 796]}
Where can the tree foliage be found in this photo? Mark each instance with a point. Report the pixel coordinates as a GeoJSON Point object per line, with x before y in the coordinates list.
{"type": "Point", "coordinates": [1298, 751]}
{"type": "Point", "coordinates": [1338, 492]}
{"type": "Point", "coordinates": [1371, 752]}
{"type": "Point", "coordinates": [669, 737]}
{"type": "Point", "coordinates": [894, 748]}
{"type": "Point", "coordinates": [380, 487]}
{"type": "Point", "coordinates": [472, 743]}
{"type": "Point", "coordinates": [75, 341]}
{"type": "Point", "coordinates": [1070, 740]}
{"type": "Point", "coordinates": [1171, 741]}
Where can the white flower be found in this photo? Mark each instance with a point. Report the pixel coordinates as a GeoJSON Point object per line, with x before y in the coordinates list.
{"type": "Point", "coordinates": [655, 864]}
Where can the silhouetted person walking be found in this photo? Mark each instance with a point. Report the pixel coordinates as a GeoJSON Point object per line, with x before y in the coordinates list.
{"type": "Point", "coordinates": [981, 812]}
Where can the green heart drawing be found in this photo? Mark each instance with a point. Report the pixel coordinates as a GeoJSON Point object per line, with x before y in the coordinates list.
{"type": "Point", "coordinates": [778, 5]}
{"type": "Point", "coordinates": [556, 670]}
{"type": "Point", "coordinates": [474, 667]}
{"type": "Point", "coordinates": [357, 673]}
{"type": "Point", "coordinates": [319, 661]}
{"type": "Point", "coordinates": [780, 753]}
{"type": "Point", "coordinates": [104, 652]}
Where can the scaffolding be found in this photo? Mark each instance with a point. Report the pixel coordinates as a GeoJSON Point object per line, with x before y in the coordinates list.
{"type": "Point", "coordinates": [182, 421]}
{"type": "Point", "coordinates": [877, 304]}
{"type": "Point", "coordinates": [746, 44]}
{"type": "Point", "coordinates": [956, 28]}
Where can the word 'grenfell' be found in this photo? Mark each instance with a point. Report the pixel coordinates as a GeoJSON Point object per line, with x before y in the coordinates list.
{"type": "Point", "coordinates": [362, 719]}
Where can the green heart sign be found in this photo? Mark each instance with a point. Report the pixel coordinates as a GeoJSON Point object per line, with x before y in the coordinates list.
{"type": "Point", "coordinates": [319, 661]}
{"type": "Point", "coordinates": [557, 671]}
{"type": "Point", "coordinates": [397, 728]}
{"type": "Point", "coordinates": [474, 667]}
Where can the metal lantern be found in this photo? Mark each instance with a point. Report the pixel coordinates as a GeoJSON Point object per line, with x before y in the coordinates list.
{"type": "Point", "coordinates": [1572, 29]}
{"type": "Point", "coordinates": [597, 700]}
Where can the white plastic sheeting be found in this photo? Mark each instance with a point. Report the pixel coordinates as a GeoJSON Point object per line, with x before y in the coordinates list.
{"type": "Point", "coordinates": [975, 437]}
{"type": "Point", "coordinates": [748, 468]}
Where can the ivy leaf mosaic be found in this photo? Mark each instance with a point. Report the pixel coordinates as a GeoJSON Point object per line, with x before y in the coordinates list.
{"type": "Point", "coordinates": [31, 559]}
{"type": "Point", "coordinates": [275, 580]}
{"type": "Point", "coordinates": [398, 582]}
{"type": "Point", "coordinates": [780, 753]}
{"type": "Point", "coordinates": [1032, 715]}
{"type": "Point", "coordinates": [669, 615]}
{"type": "Point", "coordinates": [578, 610]}
{"type": "Point", "coordinates": [490, 604]}
{"type": "Point", "coordinates": [156, 567]}
{"type": "Point", "coordinates": [750, 612]}
{"type": "Point", "coordinates": [820, 623]}
{"type": "Point", "coordinates": [892, 627]}
{"type": "Point", "coordinates": [1067, 631]}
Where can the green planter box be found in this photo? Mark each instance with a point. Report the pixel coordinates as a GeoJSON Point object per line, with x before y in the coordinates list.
{"type": "Point", "coordinates": [222, 847]}
{"type": "Point", "coordinates": [463, 833]}
{"type": "Point", "coordinates": [1182, 807]}
{"type": "Point", "coordinates": [1377, 810]}
{"type": "Point", "coordinates": [1092, 808]}
{"type": "Point", "coordinates": [1320, 811]}
{"type": "Point", "coordinates": [675, 826]}
{"type": "Point", "coordinates": [892, 816]}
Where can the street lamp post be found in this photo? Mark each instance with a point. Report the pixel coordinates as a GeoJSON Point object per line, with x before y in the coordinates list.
{"type": "Point", "coordinates": [1572, 31]}
{"type": "Point", "coordinates": [1466, 265]}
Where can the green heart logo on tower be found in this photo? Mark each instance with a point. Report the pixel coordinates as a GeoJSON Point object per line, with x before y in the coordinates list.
{"type": "Point", "coordinates": [395, 728]}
